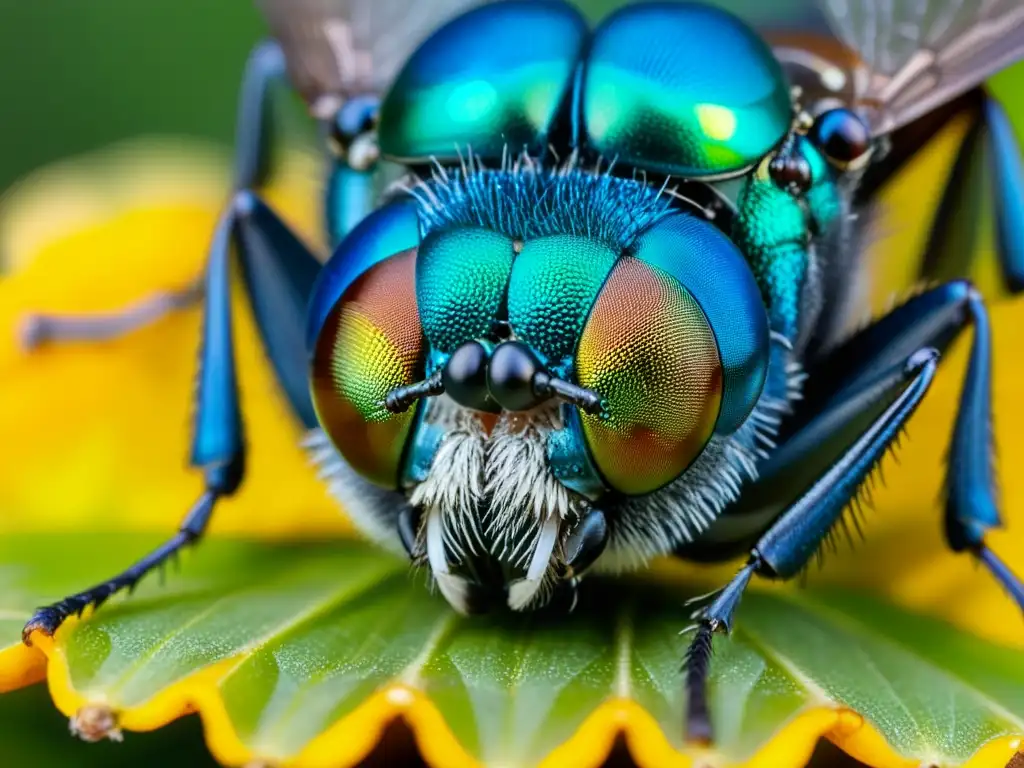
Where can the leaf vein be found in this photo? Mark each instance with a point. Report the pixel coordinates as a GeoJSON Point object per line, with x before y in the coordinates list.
{"type": "Point", "coordinates": [859, 627]}
{"type": "Point", "coordinates": [332, 597]}
{"type": "Point", "coordinates": [811, 688]}
{"type": "Point", "coordinates": [623, 646]}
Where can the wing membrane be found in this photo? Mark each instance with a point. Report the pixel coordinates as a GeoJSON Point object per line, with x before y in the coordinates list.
{"type": "Point", "coordinates": [339, 48]}
{"type": "Point", "coordinates": [917, 54]}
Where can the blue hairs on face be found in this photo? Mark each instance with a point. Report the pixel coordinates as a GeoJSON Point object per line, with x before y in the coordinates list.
{"type": "Point", "coordinates": [536, 202]}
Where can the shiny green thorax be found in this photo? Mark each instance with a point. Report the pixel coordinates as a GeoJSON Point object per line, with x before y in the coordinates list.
{"type": "Point", "coordinates": [772, 221]}
{"type": "Point", "coordinates": [684, 89]}
{"type": "Point", "coordinates": [774, 228]}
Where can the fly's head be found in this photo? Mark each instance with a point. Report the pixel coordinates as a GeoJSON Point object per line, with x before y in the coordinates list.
{"type": "Point", "coordinates": [529, 372]}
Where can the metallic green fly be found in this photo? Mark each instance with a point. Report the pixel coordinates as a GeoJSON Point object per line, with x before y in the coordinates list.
{"type": "Point", "coordinates": [597, 315]}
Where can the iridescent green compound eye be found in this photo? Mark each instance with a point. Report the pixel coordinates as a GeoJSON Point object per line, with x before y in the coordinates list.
{"type": "Point", "coordinates": [371, 343]}
{"type": "Point", "coordinates": [649, 350]}
{"type": "Point", "coordinates": [461, 277]}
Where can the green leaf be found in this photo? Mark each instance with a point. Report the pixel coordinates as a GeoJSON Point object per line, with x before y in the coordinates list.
{"type": "Point", "coordinates": [298, 637]}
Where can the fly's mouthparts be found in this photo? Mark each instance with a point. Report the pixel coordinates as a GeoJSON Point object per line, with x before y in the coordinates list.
{"type": "Point", "coordinates": [409, 521]}
{"type": "Point", "coordinates": [522, 592]}
{"type": "Point", "coordinates": [549, 575]}
{"type": "Point", "coordinates": [586, 542]}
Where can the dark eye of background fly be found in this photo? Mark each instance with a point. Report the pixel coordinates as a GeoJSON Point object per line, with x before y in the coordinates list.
{"type": "Point", "coordinates": [789, 170]}
{"type": "Point", "coordinates": [356, 117]}
{"type": "Point", "coordinates": [841, 136]}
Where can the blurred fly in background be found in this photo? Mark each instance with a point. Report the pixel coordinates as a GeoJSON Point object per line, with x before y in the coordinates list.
{"type": "Point", "coordinates": [592, 285]}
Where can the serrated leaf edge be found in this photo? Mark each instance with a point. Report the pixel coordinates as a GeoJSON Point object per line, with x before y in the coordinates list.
{"type": "Point", "coordinates": [351, 739]}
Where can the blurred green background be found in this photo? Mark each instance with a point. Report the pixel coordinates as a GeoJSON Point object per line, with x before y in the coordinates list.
{"type": "Point", "coordinates": [78, 75]}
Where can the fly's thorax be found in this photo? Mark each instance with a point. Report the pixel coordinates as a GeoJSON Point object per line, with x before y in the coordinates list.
{"type": "Point", "coordinates": [557, 342]}
{"type": "Point", "coordinates": [677, 88]}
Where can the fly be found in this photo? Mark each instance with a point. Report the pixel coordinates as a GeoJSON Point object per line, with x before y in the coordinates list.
{"type": "Point", "coordinates": [599, 316]}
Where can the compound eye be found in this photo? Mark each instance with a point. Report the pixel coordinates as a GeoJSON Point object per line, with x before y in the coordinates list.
{"type": "Point", "coordinates": [648, 350]}
{"type": "Point", "coordinates": [842, 137]}
{"type": "Point", "coordinates": [371, 343]}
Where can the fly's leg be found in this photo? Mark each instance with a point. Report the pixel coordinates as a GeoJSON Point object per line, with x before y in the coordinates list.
{"type": "Point", "coordinates": [880, 408]}
{"type": "Point", "coordinates": [279, 273]}
{"type": "Point", "coordinates": [856, 401]}
{"type": "Point", "coordinates": [218, 445]}
{"type": "Point", "coordinates": [252, 148]}
{"type": "Point", "coordinates": [39, 329]}
{"type": "Point", "coordinates": [936, 318]}
{"type": "Point", "coordinates": [988, 156]}
{"type": "Point", "coordinates": [1007, 168]}
{"type": "Point", "coordinates": [349, 200]}
{"type": "Point", "coordinates": [49, 618]}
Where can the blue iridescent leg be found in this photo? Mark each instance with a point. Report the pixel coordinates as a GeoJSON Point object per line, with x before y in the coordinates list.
{"type": "Point", "coordinates": [218, 444]}
{"type": "Point", "coordinates": [1008, 172]}
{"type": "Point", "coordinates": [936, 318]}
{"type": "Point", "coordinates": [868, 416]}
{"type": "Point", "coordinates": [279, 273]}
{"type": "Point", "coordinates": [265, 65]}
{"type": "Point", "coordinates": [988, 161]}
{"type": "Point", "coordinates": [842, 393]}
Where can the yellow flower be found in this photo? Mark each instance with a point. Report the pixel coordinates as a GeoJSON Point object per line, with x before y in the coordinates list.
{"type": "Point", "coordinates": [97, 436]}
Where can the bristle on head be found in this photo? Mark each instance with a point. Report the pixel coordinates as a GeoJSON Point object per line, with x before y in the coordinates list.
{"type": "Point", "coordinates": [525, 198]}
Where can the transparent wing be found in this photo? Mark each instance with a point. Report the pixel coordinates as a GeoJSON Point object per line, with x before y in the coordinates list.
{"type": "Point", "coordinates": [339, 48]}
{"type": "Point", "coordinates": [914, 55]}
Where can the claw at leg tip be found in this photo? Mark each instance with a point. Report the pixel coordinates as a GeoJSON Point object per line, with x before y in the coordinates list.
{"type": "Point", "coordinates": [37, 623]}
{"type": "Point", "coordinates": [698, 732]}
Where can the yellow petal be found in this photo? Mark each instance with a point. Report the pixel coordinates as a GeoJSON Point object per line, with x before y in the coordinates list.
{"type": "Point", "coordinates": [98, 434]}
